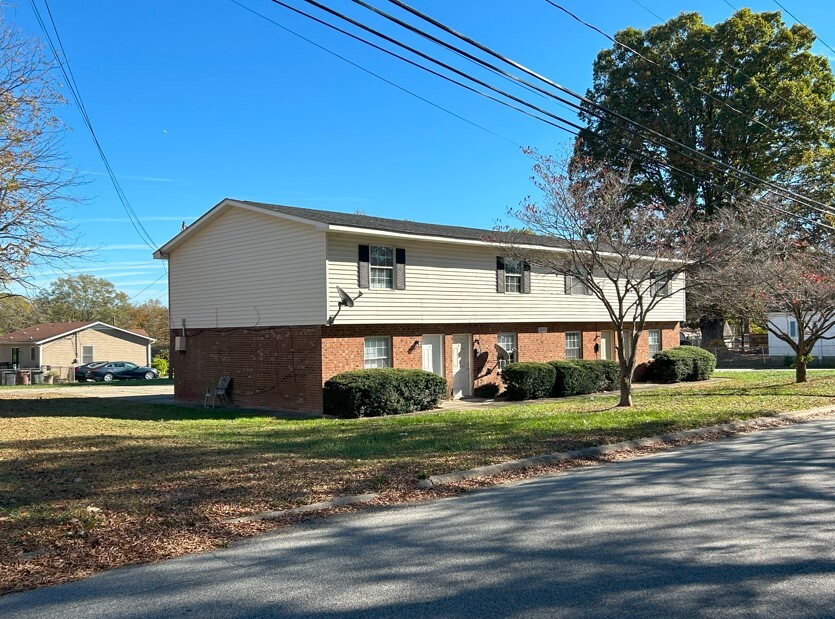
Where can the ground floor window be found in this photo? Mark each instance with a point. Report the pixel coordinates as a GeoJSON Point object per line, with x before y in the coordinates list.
{"type": "Point", "coordinates": [377, 352]}
{"type": "Point", "coordinates": [508, 342]}
{"type": "Point", "coordinates": [33, 354]}
{"type": "Point", "coordinates": [654, 337]}
{"type": "Point", "coordinates": [87, 355]}
{"type": "Point", "coordinates": [572, 345]}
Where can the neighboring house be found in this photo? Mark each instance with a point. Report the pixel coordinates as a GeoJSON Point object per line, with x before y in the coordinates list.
{"type": "Point", "coordinates": [253, 293]}
{"type": "Point", "coordinates": [787, 324]}
{"type": "Point", "coordinates": [61, 345]}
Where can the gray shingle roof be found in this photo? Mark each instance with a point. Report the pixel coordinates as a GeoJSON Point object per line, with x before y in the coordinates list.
{"type": "Point", "coordinates": [408, 227]}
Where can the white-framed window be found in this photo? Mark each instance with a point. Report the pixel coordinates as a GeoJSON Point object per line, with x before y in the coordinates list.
{"type": "Point", "coordinates": [87, 354]}
{"type": "Point", "coordinates": [512, 275]}
{"type": "Point", "coordinates": [572, 345]}
{"type": "Point", "coordinates": [377, 352]}
{"type": "Point", "coordinates": [381, 266]}
{"type": "Point", "coordinates": [574, 285]}
{"type": "Point", "coordinates": [654, 338]}
{"type": "Point", "coordinates": [659, 284]}
{"type": "Point", "coordinates": [792, 328]}
{"type": "Point", "coordinates": [33, 354]}
{"type": "Point", "coordinates": [508, 342]}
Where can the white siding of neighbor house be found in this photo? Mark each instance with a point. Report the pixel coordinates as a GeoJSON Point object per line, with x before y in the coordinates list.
{"type": "Point", "coordinates": [778, 348]}
{"type": "Point", "coordinates": [246, 269]}
{"type": "Point", "coordinates": [453, 283]}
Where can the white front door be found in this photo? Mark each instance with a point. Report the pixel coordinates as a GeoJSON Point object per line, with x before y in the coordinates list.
{"type": "Point", "coordinates": [462, 350]}
{"type": "Point", "coordinates": [607, 347]}
{"type": "Point", "coordinates": [433, 353]}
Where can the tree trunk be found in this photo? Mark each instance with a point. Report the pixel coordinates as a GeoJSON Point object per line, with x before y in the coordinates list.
{"type": "Point", "coordinates": [625, 391]}
{"type": "Point", "coordinates": [625, 384]}
{"type": "Point", "coordinates": [800, 369]}
{"type": "Point", "coordinates": [713, 334]}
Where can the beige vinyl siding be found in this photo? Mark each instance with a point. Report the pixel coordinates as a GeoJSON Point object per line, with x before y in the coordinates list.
{"type": "Point", "coordinates": [449, 283]}
{"type": "Point", "coordinates": [108, 345]}
{"type": "Point", "coordinates": [246, 269]}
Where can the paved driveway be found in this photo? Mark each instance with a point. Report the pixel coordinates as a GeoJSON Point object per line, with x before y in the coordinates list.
{"type": "Point", "coordinates": [738, 528]}
{"type": "Point", "coordinates": [153, 393]}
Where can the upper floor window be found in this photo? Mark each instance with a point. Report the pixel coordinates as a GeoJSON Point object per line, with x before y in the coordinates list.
{"type": "Point", "coordinates": [512, 275]}
{"type": "Point", "coordinates": [659, 284]}
{"type": "Point", "coordinates": [382, 267]}
{"type": "Point", "coordinates": [792, 328]}
{"type": "Point", "coordinates": [575, 285]}
{"type": "Point", "coordinates": [572, 345]}
{"type": "Point", "coordinates": [377, 352]}
{"type": "Point", "coordinates": [654, 338]}
{"type": "Point", "coordinates": [508, 342]}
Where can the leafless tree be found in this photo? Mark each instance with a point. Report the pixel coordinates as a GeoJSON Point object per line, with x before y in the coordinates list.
{"type": "Point", "coordinates": [35, 179]}
{"type": "Point", "coordinates": [783, 274]}
{"type": "Point", "coordinates": [630, 258]}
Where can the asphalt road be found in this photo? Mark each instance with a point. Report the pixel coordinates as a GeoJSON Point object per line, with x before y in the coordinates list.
{"type": "Point", "coordinates": [743, 527]}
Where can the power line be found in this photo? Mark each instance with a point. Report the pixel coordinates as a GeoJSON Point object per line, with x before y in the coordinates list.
{"type": "Point", "coordinates": [602, 110]}
{"type": "Point", "coordinates": [372, 73]}
{"type": "Point", "coordinates": [147, 287]}
{"type": "Point", "coordinates": [802, 24]}
{"type": "Point", "coordinates": [66, 70]}
{"type": "Point", "coordinates": [556, 117]}
{"type": "Point", "coordinates": [590, 26]}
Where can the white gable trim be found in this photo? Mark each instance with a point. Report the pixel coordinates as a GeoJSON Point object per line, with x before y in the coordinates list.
{"type": "Point", "coordinates": [90, 326]}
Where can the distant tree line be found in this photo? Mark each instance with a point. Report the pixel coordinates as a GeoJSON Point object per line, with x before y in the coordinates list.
{"type": "Point", "coordinates": [84, 298]}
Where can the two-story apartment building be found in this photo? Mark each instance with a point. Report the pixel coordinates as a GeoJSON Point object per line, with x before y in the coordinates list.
{"type": "Point", "coordinates": [254, 294]}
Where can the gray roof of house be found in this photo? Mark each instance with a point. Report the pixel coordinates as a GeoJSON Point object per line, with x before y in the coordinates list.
{"type": "Point", "coordinates": [405, 226]}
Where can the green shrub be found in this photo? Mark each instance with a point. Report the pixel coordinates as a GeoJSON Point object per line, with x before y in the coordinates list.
{"type": "Point", "coordinates": [580, 376]}
{"type": "Point", "coordinates": [528, 380]}
{"type": "Point", "coordinates": [160, 364]}
{"type": "Point", "coordinates": [683, 363]}
{"type": "Point", "coordinates": [383, 391]}
{"type": "Point", "coordinates": [607, 373]}
{"type": "Point", "coordinates": [487, 390]}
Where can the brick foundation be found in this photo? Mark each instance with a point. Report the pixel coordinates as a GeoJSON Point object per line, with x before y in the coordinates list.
{"type": "Point", "coordinates": [285, 367]}
{"type": "Point", "coordinates": [271, 367]}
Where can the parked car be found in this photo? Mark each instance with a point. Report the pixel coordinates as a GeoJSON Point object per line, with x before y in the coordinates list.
{"type": "Point", "coordinates": [120, 370]}
{"type": "Point", "coordinates": [81, 370]}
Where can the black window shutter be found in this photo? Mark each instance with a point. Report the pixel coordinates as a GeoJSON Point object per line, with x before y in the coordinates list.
{"type": "Point", "coordinates": [526, 277]}
{"type": "Point", "coordinates": [362, 266]}
{"type": "Point", "coordinates": [499, 274]}
{"type": "Point", "coordinates": [399, 268]}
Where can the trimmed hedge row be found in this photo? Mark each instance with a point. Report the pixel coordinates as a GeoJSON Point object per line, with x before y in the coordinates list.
{"type": "Point", "coordinates": [528, 380]}
{"type": "Point", "coordinates": [683, 363]}
{"type": "Point", "coordinates": [581, 376]}
{"type": "Point", "coordinates": [382, 391]}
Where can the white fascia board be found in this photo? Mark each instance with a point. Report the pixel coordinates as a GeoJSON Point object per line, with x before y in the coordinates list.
{"type": "Point", "coordinates": [218, 209]}
{"type": "Point", "coordinates": [90, 326]}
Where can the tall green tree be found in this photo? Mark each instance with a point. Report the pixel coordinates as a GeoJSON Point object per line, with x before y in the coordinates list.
{"type": "Point", "coordinates": [85, 297]}
{"type": "Point", "coordinates": [691, 75]}
{"type": "Point", "coordinates": [17, 313]}
{"type": "Point", "coordinates": [153, 317]}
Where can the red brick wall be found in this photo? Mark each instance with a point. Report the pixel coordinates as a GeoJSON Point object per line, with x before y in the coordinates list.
{"type": "Point", "coordinates": [342, 345]}
{"type": "Point", "coordinates": [271, 367]}
{"type": "Point", "coordinates": [285, 367]}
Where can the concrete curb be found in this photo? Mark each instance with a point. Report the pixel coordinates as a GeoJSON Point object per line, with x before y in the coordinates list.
{"type": "Point", "coordinates": [337, 502]}
{"type": "Point", "coordinates": [591, 452]}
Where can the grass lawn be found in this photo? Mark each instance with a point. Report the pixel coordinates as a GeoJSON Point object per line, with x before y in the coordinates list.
{"type": "Point", "coordinates": [87, 483]}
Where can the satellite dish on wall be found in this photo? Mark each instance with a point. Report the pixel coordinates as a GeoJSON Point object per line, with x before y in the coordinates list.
{"type": "Point", "coordinates": [502, 352]}
{"type": "Point", "coordinates": [344, 299]}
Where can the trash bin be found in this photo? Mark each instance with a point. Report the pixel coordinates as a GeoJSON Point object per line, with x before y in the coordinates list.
{"type": "Point", "coordinates": [37, 377]}
{"type": "Point", "coordinates": [9, 377]}
{"type": "Point", "coordinates": [24, 377]}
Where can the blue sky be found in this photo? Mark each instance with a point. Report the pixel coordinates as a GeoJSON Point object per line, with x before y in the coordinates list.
{"type": "Point", "coordinates": [197, 101]}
